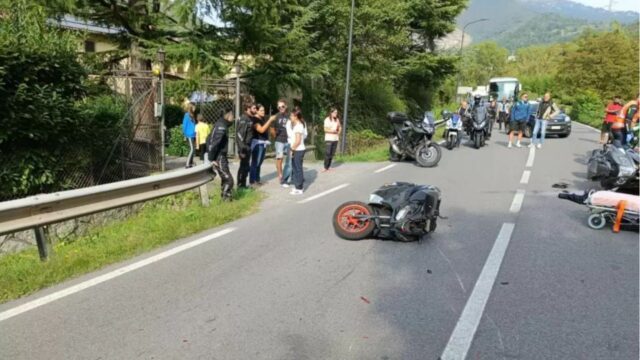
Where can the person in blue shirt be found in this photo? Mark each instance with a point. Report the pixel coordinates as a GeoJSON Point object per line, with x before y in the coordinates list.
{"type": "Point", "coordinates": [519, 116]}
{"type": "Point", "coordinates": [189, 132]}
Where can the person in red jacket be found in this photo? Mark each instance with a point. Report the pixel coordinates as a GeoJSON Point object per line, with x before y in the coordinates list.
{"type": "Point", "coordinates": [611, 113]}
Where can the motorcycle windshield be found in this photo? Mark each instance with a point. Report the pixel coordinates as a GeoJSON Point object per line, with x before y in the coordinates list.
{"type": "Point", "coordinates": [429, 119]}
{"type": "Point", "coordinates": [479, 115]}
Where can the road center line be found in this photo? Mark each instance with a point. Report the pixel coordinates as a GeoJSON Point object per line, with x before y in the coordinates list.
{"type": "Point", "coordinates": [517, 201]}
{"type": "Point", "coordinates": [108, 276]}
{"type": "Point", "coordinates": [462, 335]}
{"type": "Point", "coordinates": [384, 168]}
{"type": "Point", "coordinates": [323, 193]}
{"type": "Point", "coordinates": [525, 177]}
{"type": "Point", "coordinates": [532, 156]}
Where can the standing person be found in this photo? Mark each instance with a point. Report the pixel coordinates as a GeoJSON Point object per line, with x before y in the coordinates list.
{"type": "Point", "coordinates": [493, 114]}
{"type": "Point", "coordinates": [503, 113]}
{"type": "Point", "coordinates": [244, 136]}
{"type": "Point", "coordinates": [189, 132]}
{"type": "Point", "coordinates": [217, 153]}
{"type": "Point", "coordinates": [519, 115]}
{"type": "Point", "coordinates": [611, 113]}
{"type": "Point", "coordinates": [283, 153]}
{"type": "Point", "coordinates": [332, 130]}
{"type": "Point", "coordinates": [465, 115]}
{"type": "Point", "coordinates": [297, 129]}
{"type": "Point", "coordinates": [619, 127]}
{"type": "Point", "coordinates": [546, 111]}
{"type": "Point", "coordinates": [202, 132]}
{"type": "Point", "coordinates": [259, 143]}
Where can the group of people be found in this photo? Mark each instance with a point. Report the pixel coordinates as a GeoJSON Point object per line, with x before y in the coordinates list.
{"type": "Point", "coordinates": [253, 134]}
{"type": "Point", "coordinates": [619, 121]}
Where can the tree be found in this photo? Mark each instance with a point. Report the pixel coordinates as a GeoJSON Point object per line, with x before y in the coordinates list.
{"type": "Point", "coordinates": [606, 63]}
{"type": "Point", "coordinates": [483, 61]}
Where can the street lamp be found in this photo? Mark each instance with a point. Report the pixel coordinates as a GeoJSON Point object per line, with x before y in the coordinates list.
{"type": "Point", "coordinates": [464, 28]}
{"type": "Point", "coordinates": [348, 79]}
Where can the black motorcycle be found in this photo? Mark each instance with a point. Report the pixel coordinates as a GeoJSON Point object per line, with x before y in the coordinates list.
{"type": "Point", "coordinates": [400, 211]}
{"type": "Point", "coordinates": [615, 168]}
{"type": "Point", "coordinates": [478, 126]}
{"type": "Point", "coordinates": [412, 139]}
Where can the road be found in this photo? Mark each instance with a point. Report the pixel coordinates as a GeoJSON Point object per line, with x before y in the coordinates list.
{"type": "Point", "coordinates": [513, 272]}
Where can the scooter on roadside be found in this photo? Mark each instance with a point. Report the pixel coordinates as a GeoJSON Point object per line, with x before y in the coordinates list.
{"type": "Point", "coordinates": [453, 129]}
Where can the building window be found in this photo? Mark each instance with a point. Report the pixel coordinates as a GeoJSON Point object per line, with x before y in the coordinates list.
{"type": "Point", "coordinates": [89, 46]}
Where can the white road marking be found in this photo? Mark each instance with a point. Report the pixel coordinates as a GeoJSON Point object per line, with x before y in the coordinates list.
{"type": "Point", "coordinates": [525, 177]}
{"type": "Point", "coordinates": [517, 201]}
{"type": "Point", "coordinates": [323, 193]}
{"type": "Point", "coordinates": [108, 276]}
{"type": "Point", "coordinates": [532, 157]}
{"type": "Point", "coordinates": [462, 335]}
{"type": "Point", "coordinates": [384, 168]}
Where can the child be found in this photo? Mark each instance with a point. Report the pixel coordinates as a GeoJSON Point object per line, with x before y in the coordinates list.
{"type": "Point", "coordinates": [202, 132]}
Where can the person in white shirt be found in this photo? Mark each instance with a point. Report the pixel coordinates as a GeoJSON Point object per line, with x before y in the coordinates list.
{"type": "Point", "coordinates": [332, 130]}
{"type": "Point", "coordinates": [297, 132]}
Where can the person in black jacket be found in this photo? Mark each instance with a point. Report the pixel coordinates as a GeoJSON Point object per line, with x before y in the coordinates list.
{"type": "Point", "coordinates": [244, 135]}
{"type": "Point", "coordinates": [217, 150]}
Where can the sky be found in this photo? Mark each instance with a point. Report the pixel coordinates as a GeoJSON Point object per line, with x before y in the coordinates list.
{"type": "Point", "coordinates": [617, 4]}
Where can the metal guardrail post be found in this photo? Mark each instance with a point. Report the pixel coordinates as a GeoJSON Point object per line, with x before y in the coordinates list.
{"type": "Point", "coordinates": [44, 245]}
{"type": "Point", "coordinates": [204, 195]}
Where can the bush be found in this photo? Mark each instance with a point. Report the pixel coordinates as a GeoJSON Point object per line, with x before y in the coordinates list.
{"type": "Point", "coordinates": [173, 115]}
{"type": "Point", "coordinates": [178, 146]}
{"type": "Point", "coordinates": [362, 141]}
{"type": "Point", "coordinates": [587, 108]}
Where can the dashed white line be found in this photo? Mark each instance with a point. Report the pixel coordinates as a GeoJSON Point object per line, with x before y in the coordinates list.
{"type": "Point", "coordinates": [525, 177]}
{"type": "Point", "coordinates": [532, 157]}
{"type": "Point", "coordinates": [466, 327]}
{"type": "Point", "coordinates": [517, 201]}
{"type": "Point", "coordinates": [108, 276]}
{"type": "Point", "coordinates": [323, 193]}
{"type": "Point", "coordinates": [384, 168]}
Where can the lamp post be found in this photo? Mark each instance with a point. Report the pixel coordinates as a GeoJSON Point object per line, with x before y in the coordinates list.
{"type": "Point", "coordinates": [348, 79]}
{"type": "Point", "coordinates": [464, 28]}
{"type": "Point", "coordinates": [160, 56]}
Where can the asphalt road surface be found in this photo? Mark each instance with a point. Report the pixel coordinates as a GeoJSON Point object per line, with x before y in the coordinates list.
{"type": "Point", "coordinates": [513, 273]}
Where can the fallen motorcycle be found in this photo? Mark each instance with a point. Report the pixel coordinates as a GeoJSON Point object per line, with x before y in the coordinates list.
{"type": "Point", "coordinates": [615, 168]}
{"type": "Point", "coordinates": [400, 211]}
{"type": "Point", "coordinates": [412, 139]}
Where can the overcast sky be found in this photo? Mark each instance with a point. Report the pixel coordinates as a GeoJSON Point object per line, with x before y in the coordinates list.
{"type": "Point", "coordinates": [617, 4]}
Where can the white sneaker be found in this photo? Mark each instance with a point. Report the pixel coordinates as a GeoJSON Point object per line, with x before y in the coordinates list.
{"type": "Point", "coordinates": [539, 146]}
{"type": "Point", "coordinates": [296, 192]}
{"type": "Point", "coordinates": [510, 145]}
{"type": "Point", "coordinates": [518, 144]}
{"type": "Point", "coordinates": [285, 185]}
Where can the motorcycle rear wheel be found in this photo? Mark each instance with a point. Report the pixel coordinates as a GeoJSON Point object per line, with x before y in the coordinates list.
{"type": "Point", "coordinates": [348, 226]}
{"type": "Point", "coordinates": [428, 155]}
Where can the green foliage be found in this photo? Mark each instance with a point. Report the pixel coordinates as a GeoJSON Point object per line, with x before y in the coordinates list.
{"type": "Point", "coordinates": [481, 62]}
{"type": "Point", "coordinates": [363, 141]}
{"type": "Point", "coordinates": [377, 153]}
{"type": "Point", "coordinates": [173, 115]}
{"type": "Point", "coordinates": [178, 145]}
{"type": "Point", "coordinates": [23, 273]}
{"type": "Point", "coordinates": [40, 80]}
{"type": "Point", "coordinates": [587, 108]}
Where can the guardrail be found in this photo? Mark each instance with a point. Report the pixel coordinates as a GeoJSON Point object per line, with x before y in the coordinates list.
{"type": "Point", "coordinates": [39, 210]}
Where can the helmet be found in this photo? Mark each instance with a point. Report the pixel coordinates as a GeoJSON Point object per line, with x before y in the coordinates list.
{"type": "Point", "coordinates": [446, 114]}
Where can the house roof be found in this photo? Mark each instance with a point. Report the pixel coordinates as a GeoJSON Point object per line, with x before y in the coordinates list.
{"type": "Point", "coordinates": [74, 23]}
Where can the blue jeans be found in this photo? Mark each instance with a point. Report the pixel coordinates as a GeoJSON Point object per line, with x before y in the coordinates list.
{"type": "Point", "coordinates": [541, 126]}
{"type": "Point", "coordinates": [257, 157]}
{"type": "Point", "coordinates": [286, 165]}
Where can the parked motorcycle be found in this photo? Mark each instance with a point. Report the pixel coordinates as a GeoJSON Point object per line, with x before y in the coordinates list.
{"type": "Point", "coordinates": [615, 168]}
{"type": "Point", "coordinates": [453, 129]}
{"type": "Point", "coordinates": [479, 127]}
{"type": "Point", "coordinates": [401, 211]}
{"type": "Point", "coordinates": [412, 139]}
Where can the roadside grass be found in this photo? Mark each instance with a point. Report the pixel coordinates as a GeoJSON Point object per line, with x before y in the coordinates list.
{"type": "Point", "coordinates": [158, 223]}
{"type": "Point", "coordinates": [378, 153]}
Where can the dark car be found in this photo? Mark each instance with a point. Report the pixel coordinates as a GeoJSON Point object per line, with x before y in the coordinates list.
{"type": "Point", "coordinates": [559, 125]}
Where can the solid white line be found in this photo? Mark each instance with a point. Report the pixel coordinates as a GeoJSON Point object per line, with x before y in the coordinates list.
{"type": "Point", "coordinates": [532, 156]}
{"type": "Point", "coordinates": [323, 193]}
{"type": "Point", "coordinates": [384, 168]}
{"type": "Point", "coordinates": [517, 201]}
{"type": "Point", "coordinates": [462, 336]}
{"type": "Point", "coordinates": [108, 276]}
{"type": "Point", "coordinates": [525, 177]}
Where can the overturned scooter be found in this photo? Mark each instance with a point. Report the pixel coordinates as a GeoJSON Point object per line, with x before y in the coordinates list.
{"type": "Point", "coordinates": [400, 211]}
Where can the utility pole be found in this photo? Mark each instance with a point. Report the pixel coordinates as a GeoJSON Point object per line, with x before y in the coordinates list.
{"type": "Point", "coordinates": [348, 79]}
{"type": "Point", "coordinates": [464, 28]}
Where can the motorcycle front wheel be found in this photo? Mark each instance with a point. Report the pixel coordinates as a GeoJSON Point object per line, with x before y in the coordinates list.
{"type": "Point", "coordinates": [428, 155]}
{"type": "Point", "coordinates": [394, 156]}
{"type": "Point", "coordinates": [477, 141]}
{"type": "Point", "coordinates": [348, 222]}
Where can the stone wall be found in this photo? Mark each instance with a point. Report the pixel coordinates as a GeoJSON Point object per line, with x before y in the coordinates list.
{"type": "Point", "coordinates": [65, 230]}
